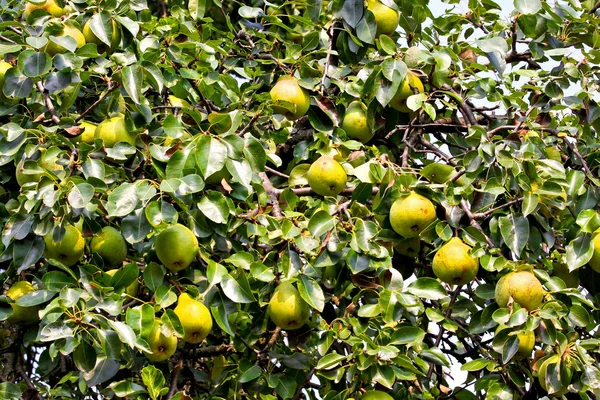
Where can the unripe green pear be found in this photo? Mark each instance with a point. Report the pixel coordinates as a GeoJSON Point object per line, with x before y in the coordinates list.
{"type": "Point", "coordinates": [410, 215]}
{"type": "Point", "coordinates": [113, 131]}
{"type": "Point", "coordinates": [406, 89]}
{"type": "Point", "coordinates": [355, 122]}
{"type": "Point", "coordinates": [162, 346]}
{"type": "Point", "coordinates": [454, 264]}
{"type": "Point", "coordinates": [22, 314]}
{"type": "Point", "coordinates": [47, 163]}
{"type": "Point", "coordinates": [194, 317]}
{"type": "Point", "coordinates": [176, 247]}
{"type": "Point", "coordinates": [326, 176]}
{"type": "Point", "coordinates": [50, 6]}
{"type": "Point", "coordinates": [69, 250]}
{"type": "Point", "coordinates": [386, 18]}
{"type": "Point", "coordinates": [110, 245]}
{"type": "Point", "coordinates": [523, 287]}
{"type": "Point", "coordinates": [287, 309]}
{"type": "Point", "coordinates": [287, 92]}
{"type": "Point", "coordinates": [68, 30]}
{"type": "Point", "coordinates": [90, 37]}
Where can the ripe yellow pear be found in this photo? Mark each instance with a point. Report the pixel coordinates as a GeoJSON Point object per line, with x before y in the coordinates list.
{"type": "Point", "coordinates": [326, 176]}
{"type": "Point", "coordinates": [194, 317]}
{"type": "Point", "coordinates": [406, 89]}
{"type": "Point", "coordinates": [386, 18]}
{"type": "Point", "coordinates": [68, 30]}
{"type": "Point", "coordinates": [287, 92]}
{"type": "Point", "coordinates": [410, 215]}
{"type": "Point", "coordinates": [376, 395]}
{"type": "Point", "coordinates": [355, 122]}
{"type": "Point", "coordinates": [162, 346]}
{"type": "Point", "coordinates": [87, 136]}
{"type": "Point", "coordinates": [176, 247]}
{"type": "Point", "coordinates": [595, 260]}
{"type": "Point", "coordinates": [571, 279]}
{"type": "Point", "coordinates": [47, 163]}
{"type": "Point", "coordinates": [409, 247]}
{"type": "Point", "coordinates": [286, 308]}
{"type": "Point", "coordinates": [110, 245]}
{"type": "Point", "coordinates": [526, 342]}
{"type": "Point", "coordinates": [50, 6]}
{"type": "Point", "coordinates": [132, 289]}
{"type": "Point", "coordinates": [543, 364]}
{"type": "Point", "coordinates": [69, 250]}
{"type": "Point", "coordinates": [113, 131]}
{"type": "Point", "coordinates": [22, 314]}
{"type": "Point", "coordinates": [4, 67]}
{"type": "Point", "coordinates": [90, 37]}
{"type": "Point", "coordinates": [523, 287]}
{"type": "Point", "coordinates": [454, 264]}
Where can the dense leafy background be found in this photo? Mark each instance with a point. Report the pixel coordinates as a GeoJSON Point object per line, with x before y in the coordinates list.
{"type": "Point", "coordinates": [510, 104]}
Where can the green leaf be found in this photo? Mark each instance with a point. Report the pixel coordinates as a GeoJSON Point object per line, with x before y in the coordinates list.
{"type": "Point", "coordinates": [236, 292]}
{"type": "Point", "coordinates": [27, 252]}
{"type": "Point", "coordinates": [170, 319]}
{"type": "Point", "coordinates": [154, 380]}
{"type": "Point", "coordinates": [35, 298]}
{"type": "Point", "coordinates": [153, 276]}
{"type": "Point", "coordinates": [475, 365]}
{"type": "Point", "coordinates": [127, 389]}
{"type": "Point", "coordinates": [9, 391]}
{"type": "Point", "coordinates": [102, 28]}
{"type": "Point", "coordinates": [320, 223]}
{"type": "Point", "coordinates": [580, 251]}
{"type": "Point", "coordinates": [579, 316]}
{"type": "Point", "coordinates": [366, 30]}
{"type": "Point", "coordinates": [311, 292]}
{"type": "Point", "coordinates": [132, 78]}
{"type": "Point", "coordinates": [528, 6]}
{"type": "Point", "coordinates": [330, 361]}
{"type": "Point", "coordinates": [33, 63]}
{"type": "Point", "coordinates": [211, 155]}
{"type": "Point", "coordinates": [515, 232]}
{"type": "Point", "coordinates": [214, 207]}
{"type": "Point", "coordinates": [427, 288]}
{"type": "Point", "coordinates": [84, 357]}
{"type": "Point", "coordinates": [56, 280]}
{"type": "Point", "coordinates": [80, 195]}
{"type": "Point", "coordinates": [352, 12]}
{"type": "Point", "coordinates": [407, 335]}
{"type": "Point", "coordinates": [123, 200]}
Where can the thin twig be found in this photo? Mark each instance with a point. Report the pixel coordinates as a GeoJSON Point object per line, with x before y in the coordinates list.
{"type": "Point", "coordinates": [275, 172]}
{"type": "Point", "coordinates": [306, 382]}
{"type": "Point", "coordinates": [111, 86]}
{"type": "Point", "coordinates": [489, 212]}
{"type": "Point", "coordinates": [247, 344]}
{"type": "Point", "coordinates": [475, 224]}
{"type": "Point", "coordinates": [249, 125]}
{"type": "Point", "coordinates": [49, 104]}
{"type": "Point", "coordinates": [272, 340]}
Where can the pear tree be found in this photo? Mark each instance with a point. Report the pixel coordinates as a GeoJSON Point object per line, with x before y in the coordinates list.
{"type": "Point", "coordinates": [304, 199]}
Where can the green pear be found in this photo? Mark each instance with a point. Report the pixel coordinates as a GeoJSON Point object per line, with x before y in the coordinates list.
{"type": "Point", "coordinates": [50, 6]}
{"type": "Point", "coordinates": [571, 279]}
{"type": "Point", "coordinates": [162, 346]}
{"type": "Point", "coordinates": [386, 18]}
{"type": "Point", "coordinates": [91, 37]}
{"type": "Point", "coordinates": [439, 173]}
{"type": "Point", "coordinates": [523, 287]}
{"type": "Point", "coordinates": [410, 215]}
{"type": "Point", "coordinates": [69, 250]}
{"type": "Point", "coordinates": [22, 314]}
{"type": "Point", "coordinates": [409, 247]}
{"type": "Point", "coordinates": [176, 247]}
{"type": "Point", "coordinates": [287, 309]}
{"type": "Point", "coordinates": [406, 89]}
{"type": "Point", "coordinates": [194, 317]}
{"type": "Point", "coordinates": [113, 131]}
{"type": "Point", "coordinates": [131, 290]}
{"type": "Point", "coordinates": [110, 245]}
{"type": "Point", "coordinates": [595, 260]}
{"type": "Point", "coordinates": [67, 30]}
{"type": "Point", "coordinates": [4, 67]}
{"type": "Point", "coordinates": [326, 176]}
{"type": "Point", "coordinates": [454, 264]}
{"type": "Point", "coordinates": [355, 122]}
{"type": "Point", "coordinates": [526, 342]}
{"type": "Point", "coordinates": [47, 163]}
{"type": "Point", "coordinates": [376, 395]}
{"type": "Point", "coordinates": [286, 94]}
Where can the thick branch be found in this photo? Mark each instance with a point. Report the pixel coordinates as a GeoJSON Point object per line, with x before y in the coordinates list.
{"type": "Point", "coordinates": [273, 194]}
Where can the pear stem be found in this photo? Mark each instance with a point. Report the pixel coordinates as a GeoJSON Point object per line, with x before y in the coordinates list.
{"type": "Point", "coordinates": [174, 283]}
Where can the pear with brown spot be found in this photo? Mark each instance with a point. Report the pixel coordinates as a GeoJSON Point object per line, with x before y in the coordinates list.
{"type": "Point", "coordinates": [410, 215]}
{"type": "Point", "coordinates": [454, 264]}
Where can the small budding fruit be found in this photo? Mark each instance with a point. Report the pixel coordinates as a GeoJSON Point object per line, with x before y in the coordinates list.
{"type": "Point", "coordinates": [110, 245]}
{"type": "Point", "coordinates": [90, 37]}
{"type": "Point", "coordinates": [454, 264]}
{"type": "Point", "coordinates": [162, 346]}
{"type": "Point", "coordinates": [526, 342]}
{"type": "Point", "coordinates": [286, 308]}
{"type": "Point", "coordinates": [22, 314]}
{"type": "Point", "coordinates": [70, 248]}
{"type": "Point", "coordinates": [176, 247]}
{"type": "Point", "coordinates": [113, 131]}
{"type": "Point", "coordinates": [326, 176]}
{"type": "Point", "coordinates": [523, 287]}
{"type": "Point", "coordinates": [355, 122]}
{"type": "Point", "coordinates": [293, 99]}
{"type": "Point", "coordinates": [386, 17]}
{"type": "Point", "coordinates": [194, 317]}
{"type": "Point", "coordinates": [406, 89]}
{"type": "Point", "coordinates": [376, 395]}
{"type": "Point", "coordinates": [50, 6]}
{"type": "Point", "coordinates": [410, 215]}
{"type": "Point", "coordinates": [68, 30]}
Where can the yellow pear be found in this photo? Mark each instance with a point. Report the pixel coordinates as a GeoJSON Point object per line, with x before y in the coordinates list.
{"type": "Point", "coordinates": [70, 248]}
{"type": "Point", "coordinates": [90, 37]}
{"type": "Point", "coordinates": [194, 317]}
{"type": "Point", "coordinates": [409, 247]}
{"type": "Point", "coordinates": [133, 289]}
{"type": "Point", "coordinates": [113, 131]}
{"type": "Point", "coordinates": [355, 122]}
{"type": "Point", "coordinates": [22, 314]}
{"type": "Point", "coordinates": [406, 89]}
{"type": "Point", "coordinates": [289, 98]}
{"type": "Point", "coordinates": [87, 136]}
{"type": "Point", "coordinates": [571, 279]}
{"type": "Point", "coordinates": [526, 342]}
{"type": "Point", "coordinates": [326, 176]}
{"type": "Point", "coordinates": [50, 6]}
{"type": "Point", "coordinates": [110, 245]}
{"type": "Point", "coordinates": [454, 264]}
{"type": "Point", "coordinates": [543, 364]}
{"type": "Point", "coordinates": [411, 214]}
{"type": "Point", "coordinates": [47, 163]}
{"type": "Point", "coordinates": [595, 260]}
{"type": "Point", "coordinates": [376, 395]}
{"type": "Point", "coordinates": [287, 309]}
{"type": "Point", "coordinates": [523, 287]}
{"type": "Point", "coordinates": [162, 346]}
{"type": "Point", "coordinates": [386, 17]}
{"type": "Point", "coordinates": [4, 67]}
{"type": "Point", "coordinates": [176, 247]}
{"type": "Point", "coordinates": [68, 30]}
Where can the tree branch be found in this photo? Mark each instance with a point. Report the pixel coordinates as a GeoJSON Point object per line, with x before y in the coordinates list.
{"type": "Point", "coordinates": [48, 100]}
{"type": "Point", "coordinates": [175, 377]}
{"type": "Point", "coordinates": [475, 224]}
{"type": "Point", "coordinates": [111, 86]}
{"type": "Point", "coordinates": [489, 212]}
{"type": "Point", "coordinates": [273, 193]}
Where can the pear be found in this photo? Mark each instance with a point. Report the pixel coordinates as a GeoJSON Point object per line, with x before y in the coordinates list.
{"type": "Point", "coordinates": [386, 18]}
{"type": "Point", "coordinates": [67, 30]}
{"type": "Point", "coordinates": [286, 308]}
{"type": "Point", "coordinates": [376, 395]}
{"type": "Point", "coordinates": [22, 314]}
{"type": "Point", "coordinates": [87, 136]}
{"type": "Point", "coordinates": [595, 260]}
{"type": "Point", "coordinates": [409, 247]}
{"type": "Point", "coordinates": [176, 247]}
{"type": "Point", "coordinates": [47, 163]}
{"type": "Point", "coordinates": [194, 317]}
{"type": "Point", "coordinates": [288, 94]}
{"type": "Point", "coordinates": [69, 250]}
{"type": "Point", "coordinates": [91, 37]}
{"type": "Point", "coordinates": [162, 346]}
{"type": "Point", "coordinates": [454, 264]}
{"type": "Point", "coordinates": [523, 287]}
{"type": "Point", "coordinates": [571, 279]}
{"type": "Point", "coordinates": [50, 6]}
{"type": "Point", "coordinates": [4, 67]}
{"type": "Point", "coordinates": [133, 289]}
{"type": "Point", "coordinates": [326, 176]}
{"type": "Point", "coordinates": [410, 215]}
{"type": "Point", "coordinates": [355, 122]}
{"type": "Point", "coordinates": [526, 342]}
{"type": "Point", "coordinates": [406, 89]}
{"type": "Point", "coordinates": [113, 131]}
{"type": "Point", "coordinates": [439, 173]}
{"type": "Point", "coordinates": [110, 245]}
